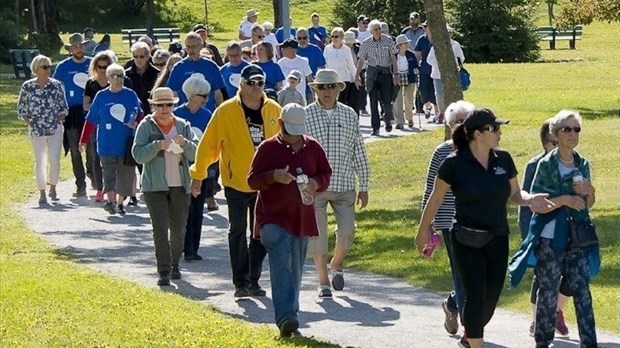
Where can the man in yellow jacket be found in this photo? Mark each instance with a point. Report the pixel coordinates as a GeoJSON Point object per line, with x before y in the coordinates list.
{"type": "Point", "coordinates": [237, 127]}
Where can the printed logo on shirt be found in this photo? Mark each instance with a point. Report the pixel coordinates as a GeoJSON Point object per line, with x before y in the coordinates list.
{"type": "Point", "coordinates": [499, 171]}
{"type": "Point", "coordinates": [234, 80]}
{"type": "Point", "coordinates": [80, 79]}
{"type": "Point", "coordinates": [198, 75]}
{"type": "Point", "coordinates": [256, 132]}
{"type": "Point", "coordinates": [118, 111]}
{"type": "Point", "coordinates": [198, 132]}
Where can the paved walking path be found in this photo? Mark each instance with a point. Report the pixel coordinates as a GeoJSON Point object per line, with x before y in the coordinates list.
{"type": "Point", "coordinates": [372, 311]}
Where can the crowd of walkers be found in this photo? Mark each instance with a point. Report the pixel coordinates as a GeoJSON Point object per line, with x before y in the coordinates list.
{"type": "Point", "coordinates": [276, 122]}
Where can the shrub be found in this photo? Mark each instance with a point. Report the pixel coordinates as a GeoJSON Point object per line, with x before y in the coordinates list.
{"type": "Point", "coordinates": [12, 35]}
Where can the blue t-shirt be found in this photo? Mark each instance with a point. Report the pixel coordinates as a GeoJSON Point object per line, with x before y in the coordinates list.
{"type": "Point", "coordinates": [314, 55]}
{"type": "Point", "coordinates": [317, 36]}
{"type": "Point", "coordinates": [232, 75]}
{"type": "Point", "coordinates": [198, 120]}
{"type": "Point", "coordinates": [186, 68]}
{"type": "Point", "coordinates": [273, 72]}
{"type": "Point", "coordinates": [424, 46]}
{"type": "Point", "coordinates": [280, 34]}
{"type": "Point", "coordinates": [73, 76]}
{"type": "Point", "coordinates": [111, 112]}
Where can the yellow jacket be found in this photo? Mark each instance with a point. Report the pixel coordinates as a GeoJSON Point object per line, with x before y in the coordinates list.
{"type": "Point", "coordinates": [228, 139]}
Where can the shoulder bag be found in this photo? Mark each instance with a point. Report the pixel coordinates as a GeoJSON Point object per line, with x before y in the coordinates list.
{"type": "Point", "coordinates": [582, 234]}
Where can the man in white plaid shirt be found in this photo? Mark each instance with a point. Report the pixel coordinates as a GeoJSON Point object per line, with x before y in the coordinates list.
{"type": "Point", "coordinates": [336, 127]}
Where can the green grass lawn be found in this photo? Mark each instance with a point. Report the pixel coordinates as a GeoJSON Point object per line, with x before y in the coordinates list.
{"type": "Point", "coordinates": [46, 299]}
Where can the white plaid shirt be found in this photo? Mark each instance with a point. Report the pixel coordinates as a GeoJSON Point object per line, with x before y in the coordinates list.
{"type": "Point", "coordinates": [340, 136]}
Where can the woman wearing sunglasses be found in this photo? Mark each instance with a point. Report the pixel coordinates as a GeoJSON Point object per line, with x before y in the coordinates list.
{"type": "Point", "coordinates": [564, 175]}
{"type": "Point", "coordinates": [43, 107]}
{"type": "Point", "coordinates": [165, 145]}
{"type": "Point", "coordinates": [482, 179]}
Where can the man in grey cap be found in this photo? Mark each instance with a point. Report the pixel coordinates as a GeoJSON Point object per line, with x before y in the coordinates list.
{"type": "Point", "coordinates": [336, 126]}
{"type": "Point", "coordinates": [90, 45]}
{"type": "Point", "coordinates": [283, 221]}
{"type": "Point", "coordinates": [73, 73]}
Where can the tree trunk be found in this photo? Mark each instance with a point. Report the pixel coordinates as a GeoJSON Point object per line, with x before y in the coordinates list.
{"type": "Point", "coordinates": [17, 14]}
{"type": "Point", "coordinates": [149, 18]}
{"type": "Point", "coordinates": [277, 14]}
{"type": "Point", "coordinates": [32, 16]}
{"type": "Point", "coordinates": [443, 51]}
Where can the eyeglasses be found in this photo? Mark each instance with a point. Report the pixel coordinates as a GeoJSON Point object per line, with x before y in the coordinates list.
{"type": "Point", "coordinates": [168, 105]}
{"type": "Point", "coordinates": [117, 76]}
{"type": "Point", "coordinates": [46, 67]}
{"type": "Point", "coordinates": [326, 86]}
{"type": "Point", "coordinates": [139, 56]}
{"type": "Point", "coordinates": [376, 29]}
{"type": "Point", "coordinates": [259, 83]}
{"type": "Point", "coordinates": [302, 38]}
{"type": "Point", "coordinates": [335, 36]}
{"type": "Point", "coordinates": [569, 129]}
{"type": "Point", "coordinates": [365, 22]}
{"type": "Point", "coordinates": [493, 129]}
{"type": "Point", "coordinates": [203, 96]}
{"type": "Point", "coordinates": [102, 67]}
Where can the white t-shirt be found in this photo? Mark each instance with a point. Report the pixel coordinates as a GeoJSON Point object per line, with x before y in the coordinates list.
{"type": "Point", "coordinates": [299, 63]}
{"type": "Point", "coordinates": [432, 59]}
{"type": "Point", "coordinates": [363, 35]}
{"type": "Point", "coordinates": [246, 28]}
{"type": "Point", "coordinates": [402, 63]}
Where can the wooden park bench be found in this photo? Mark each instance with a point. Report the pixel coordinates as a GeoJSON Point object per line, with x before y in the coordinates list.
{"type": "Point", "coordinates": [21, 59]}
{"type": "Point", "coordinates": [553, 34]}
{"type": "Point", "coordinates": [130, 36]}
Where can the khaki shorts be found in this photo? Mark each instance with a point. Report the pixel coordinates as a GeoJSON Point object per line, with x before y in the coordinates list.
{"type": "Point", "coordinates": [343, 204]}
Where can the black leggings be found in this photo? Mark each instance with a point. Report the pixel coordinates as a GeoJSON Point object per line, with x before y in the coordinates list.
{"type": "Point", "coordinates": [483, 272]}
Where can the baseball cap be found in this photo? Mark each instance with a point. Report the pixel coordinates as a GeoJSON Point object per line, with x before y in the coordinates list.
{"type": "Point", "coordinates": [251, 72]}
{"type": "Point", "coordinates": [294, 118]}
{"type": "Point", "coordinates": [414, 15]}
{"type": "Point", "coordinates": [199, 27]}
{"type": "Point", "coordinates": [296, 74]}
{"type": "Point", "coordinates": [482, 117]}
{"type": "Point", "coordinates": [289, 43]}
{"type": "Point", "coordinates": [362, 18]}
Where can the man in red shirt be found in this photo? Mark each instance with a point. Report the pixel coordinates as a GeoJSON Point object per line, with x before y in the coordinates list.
{"type": "Point", "coordinates": [283, 221]}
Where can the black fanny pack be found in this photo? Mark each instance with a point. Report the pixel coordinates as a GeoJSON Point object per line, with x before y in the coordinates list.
{"type": "Point", "coordinates": [472, 237]}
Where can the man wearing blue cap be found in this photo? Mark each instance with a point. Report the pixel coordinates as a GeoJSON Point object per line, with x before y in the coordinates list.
{"type": "Point", "coordinates": [236, 129]}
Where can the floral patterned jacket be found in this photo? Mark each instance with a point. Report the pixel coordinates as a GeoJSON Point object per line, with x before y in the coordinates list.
{"type": "Point", "coordinates": [42, 106]}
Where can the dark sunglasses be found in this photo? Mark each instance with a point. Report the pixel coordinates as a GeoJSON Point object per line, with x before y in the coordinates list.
{"type": "Point", "coordinates": [117, 76]}
{"type": "Point", "coordinates": [166, 104]}
{"type": "Point", "coordinates": [493, 129]}
{"type": "Point", "coordinates": [46, 67]}
{"type": "Point", "coordinates": [302, 38]}
{"type": "Point", "coordinates": [259, 83]}
{"type": "Point", "coordinates": [326, 86]}
{"type": "Point", "coordinates": [204, 96]}
{"type": "Point", "coordinates": [140, 56]}
{"type": "Point", "coordinates": [569, 129]}
{"type": "Point", "coordinates": [364, 22]}
{"type": "Point", "coordinates": [102, 67]}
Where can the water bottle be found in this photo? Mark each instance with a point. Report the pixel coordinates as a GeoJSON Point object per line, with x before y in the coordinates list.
{"type": "Point", "coordinates": [302, 183]}
{"type": "Point", "coordinates": [577, 177]}
{"type": "Point", "coordinates": [429, 249]}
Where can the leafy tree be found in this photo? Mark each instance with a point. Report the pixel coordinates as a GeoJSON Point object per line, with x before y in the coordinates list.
{"type": "Point", "coordinates": [587, 11]}
{"type": "Point", "coordinates": [495, 31]}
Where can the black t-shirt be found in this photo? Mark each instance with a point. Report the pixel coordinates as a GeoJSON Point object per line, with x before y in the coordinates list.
{"type": "Point", "coordinates": [254, 119]}
{"type": "Point", "coordinates": [92, 87]}
{"type": "Point", "coordinates": [480, 195]}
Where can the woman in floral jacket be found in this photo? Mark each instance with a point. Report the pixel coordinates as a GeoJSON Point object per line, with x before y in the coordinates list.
{"type": "Point", "coordinates": [42, 105]}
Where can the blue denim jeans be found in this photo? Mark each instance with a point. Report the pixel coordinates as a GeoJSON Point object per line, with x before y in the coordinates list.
{"type": "Point", "coordinates": [456, 300]}
{"type": "Point", "coordinates": [286, 261]}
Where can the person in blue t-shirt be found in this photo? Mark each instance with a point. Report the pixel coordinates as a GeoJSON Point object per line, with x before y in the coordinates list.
{"type": "Point", "coordinates": [317, 32]}
{"type": "Point", "coordinates": [231, 71]}
{"type": "Point", "coordinates": [196, 90]}
{"type": "Point", "coordinates": [193, 64]}
{"type": "Point", "coordinates": [273, 72]}
{"type": "Point", "coordinates": [280, 34]}
{"type": "Point", "coordinates": [73, 74]}
{"type": "Point", "coordinates": [114, 113]}
{"type": "Point", "coordinates": [314, 55]}
{"type": "Point", "coordinates": [427, 90]}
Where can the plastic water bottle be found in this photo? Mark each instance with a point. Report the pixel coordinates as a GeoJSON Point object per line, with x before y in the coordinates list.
{"type": "Point", "coordinates": [302, 183]}
{"type": "Point", "coordinates": [429, 249]}
{"type": "Point", "coordinates": [577, 176]}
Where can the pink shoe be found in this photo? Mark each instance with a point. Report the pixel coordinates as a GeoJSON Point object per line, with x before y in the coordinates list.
{"type": "Point", "coordinates": [99, 196]}
{"type": "Point", "coordinates": [560, 325]}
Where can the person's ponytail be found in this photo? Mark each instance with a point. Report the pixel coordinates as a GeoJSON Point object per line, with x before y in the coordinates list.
{"type": "Point", "coordinates": [459, 137]}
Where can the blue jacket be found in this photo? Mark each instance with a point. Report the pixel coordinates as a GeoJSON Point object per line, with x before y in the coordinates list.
{"type": "Point", "coordinates": [547, 180]}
